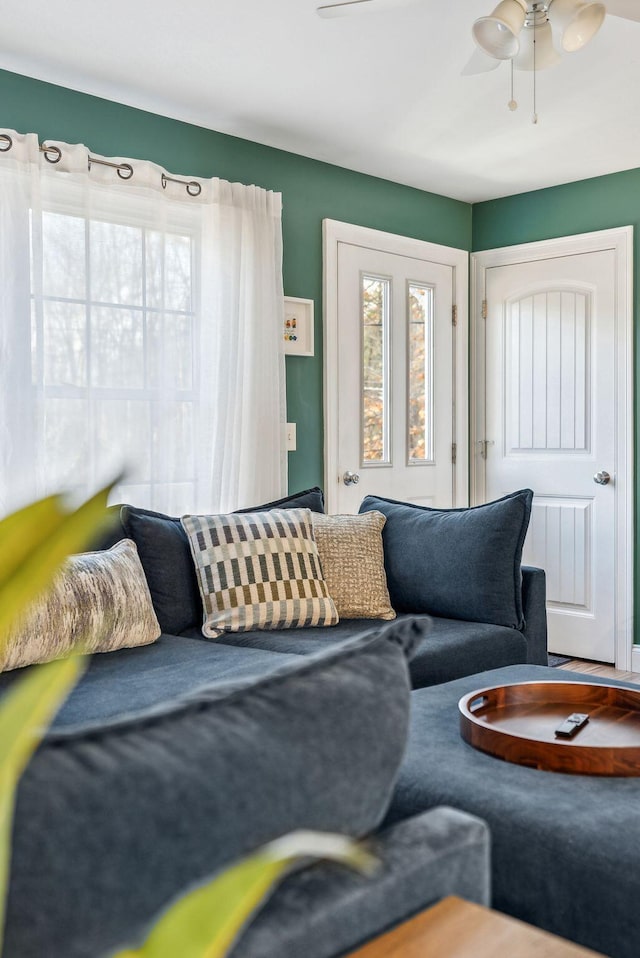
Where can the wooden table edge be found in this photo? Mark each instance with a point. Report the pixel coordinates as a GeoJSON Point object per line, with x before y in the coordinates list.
{"type": "Point", "coordinates": [454, 928]}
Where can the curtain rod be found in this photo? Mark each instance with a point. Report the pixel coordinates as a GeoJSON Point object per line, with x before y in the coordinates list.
{"type": "Point", "coordinates": [53, 154]}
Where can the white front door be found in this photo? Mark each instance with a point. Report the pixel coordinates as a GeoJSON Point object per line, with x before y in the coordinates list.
{"type": "Point", "coordinates": [550, 410]}
{"type": "Point", "coordinates": [394, 360]}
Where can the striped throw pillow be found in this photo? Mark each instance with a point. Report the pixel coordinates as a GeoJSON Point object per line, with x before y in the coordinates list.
{"type": "Point", "coordinates": [258, 570]}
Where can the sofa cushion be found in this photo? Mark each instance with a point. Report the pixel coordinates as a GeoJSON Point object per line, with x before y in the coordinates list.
{"type": "Point", "coordinates": [258, 570]}
{"type": "Point", "coordinates": [328, 910]}
{"type": "Point", "coordinates": [99, 601]}
{"type": "Point", "coordinates": [456, 563]}
{"type": "Point", "coordinates": [352, 560]}
{"type": "Point", "coordinates": [307, 499]}
{"type": "Point", "coordinates": [310, 640]}
{"type": "Point", "coordinates": [304, 641]}
{"type": "Point", "coordinates": [165, 797]}
{"type": "Point", "coordinates": [452, 648]}
{"type": "Point", "coordinates": [446, 649]}
{"type": "Point", "coordinates": [166, 558]}
{"type": "Point", "coordinates": [133, 681]}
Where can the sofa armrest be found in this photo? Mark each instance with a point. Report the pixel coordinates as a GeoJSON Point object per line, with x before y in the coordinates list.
{"type": "Point", "coordinates": [326, 910]}
{"type": "Point", "coordinates": [534, 604]}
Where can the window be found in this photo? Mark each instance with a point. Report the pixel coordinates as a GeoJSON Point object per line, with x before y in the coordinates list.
{"type": "Point", "coordinates": [140, 333]}
{"type": "Point", "coordinates": [114, 325]}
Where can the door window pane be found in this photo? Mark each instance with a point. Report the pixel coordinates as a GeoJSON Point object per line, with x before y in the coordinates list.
{"type": "Point", "coordinates": [375, 374]}
{"type": "Point", "coordinates": [420, 397]}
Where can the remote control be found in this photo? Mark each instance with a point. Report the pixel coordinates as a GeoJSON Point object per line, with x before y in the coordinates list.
{"type": "Point", "coordinates": [572, 725]}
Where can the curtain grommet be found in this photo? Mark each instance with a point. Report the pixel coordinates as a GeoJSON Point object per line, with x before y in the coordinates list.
{"type": "Point", "coordinates": [55, 150]}
{"type": "Point", "coordinates": [192, 187]}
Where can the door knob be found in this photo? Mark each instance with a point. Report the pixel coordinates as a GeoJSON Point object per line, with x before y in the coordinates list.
{"type": "Point", "coordinates": [602, 478]}
{"type": "Point", "coordinates": [351, 478]}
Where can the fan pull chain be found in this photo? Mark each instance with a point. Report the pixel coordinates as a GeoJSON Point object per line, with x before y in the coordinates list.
{"type": "Point", "coordinates": [513, 103]}
{"type": "Point", "coordinates": [534, 118]}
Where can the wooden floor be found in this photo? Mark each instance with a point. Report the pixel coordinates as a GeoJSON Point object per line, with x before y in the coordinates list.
{"type": "Point", "coordinates": [603, 671]}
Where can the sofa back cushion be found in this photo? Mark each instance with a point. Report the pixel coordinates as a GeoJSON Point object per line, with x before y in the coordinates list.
{"type": "Point", "coordinates": [166, 558]}
{"type": "Point", "coordinates": [456, 563]}
{"type": "Point", "coordinates": [163, 797]}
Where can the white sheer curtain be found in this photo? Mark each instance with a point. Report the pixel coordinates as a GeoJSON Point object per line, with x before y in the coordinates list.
{"type": "Point", "coordinates": [141, 330]}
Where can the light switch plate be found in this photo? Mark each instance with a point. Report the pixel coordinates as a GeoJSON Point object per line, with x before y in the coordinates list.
{"type": "Point", "coordinates": [291, 437]}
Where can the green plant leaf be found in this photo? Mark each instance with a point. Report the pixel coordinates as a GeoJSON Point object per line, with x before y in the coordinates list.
{"type": "Point", "coordinates": [17, 531]}
{"type": "Point", "coordinates": [206, 921]}
{"type": "Point", "coordinates": [34, 543]}
{"type": "Point", "coordinates": [25, 712]}
{"type": "Point", "coordinates": [7, 799]}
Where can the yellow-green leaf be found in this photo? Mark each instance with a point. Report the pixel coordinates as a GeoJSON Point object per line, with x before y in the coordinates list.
{"type": "Point", "coordinates": [205, 922]}
{"type": "Point", "coordinates": [26, 710]}
{"type": "Point", "coordinates": [48, 533]}
{"type": "Point", "coordinates": [7, 799]}
{"type": "Point", "coordinates": [17, 531]}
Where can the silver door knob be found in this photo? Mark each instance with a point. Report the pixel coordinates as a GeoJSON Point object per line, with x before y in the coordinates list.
{"type": "Point", "coordinates": [602, 478]}
{"type": "Point", "coordinates": [351, 478]}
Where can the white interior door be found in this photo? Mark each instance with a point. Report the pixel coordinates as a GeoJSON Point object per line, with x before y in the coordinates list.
{"type": "Point", "coordinates": [392, 370]}
{"type": "Point", "coordinates": [549, 418]}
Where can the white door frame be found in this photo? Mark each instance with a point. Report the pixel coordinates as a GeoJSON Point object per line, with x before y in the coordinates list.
{"type": "Point", "coordinates": [621, 242]}
{"type": "Point", "coordinates": [333, 233]}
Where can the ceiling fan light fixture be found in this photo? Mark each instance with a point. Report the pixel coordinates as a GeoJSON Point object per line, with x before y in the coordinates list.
{"type": "Point", "coordinates": [577, 21]}
{"type": "Point", "coordinates": [546, 54]}
{"type": "Point", "coordinates": [498, 35]}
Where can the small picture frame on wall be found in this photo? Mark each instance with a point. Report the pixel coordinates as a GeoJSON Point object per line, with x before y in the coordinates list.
{"type": "Point", "coordinates": [298, 326]}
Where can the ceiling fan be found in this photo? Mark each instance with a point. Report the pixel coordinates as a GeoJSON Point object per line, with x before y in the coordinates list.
{"type": "Point", "coordinates": [510, 31]}
{"type": "Point", "coordinates": [533, 35]}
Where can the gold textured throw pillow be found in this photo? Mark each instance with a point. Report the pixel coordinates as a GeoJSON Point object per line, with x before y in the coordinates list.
{"type": "Point", "coordinates": [258, 570]}
{"type": "Point", "coordinates": [352, 559]}
{"type": "Point", "coordinates": [99, 600]}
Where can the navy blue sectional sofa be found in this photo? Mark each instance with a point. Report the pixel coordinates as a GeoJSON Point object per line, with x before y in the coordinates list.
{"type": "Point", "coordinates": [486, 611]}
{"type": "Point", "coordinates": [171, 760]}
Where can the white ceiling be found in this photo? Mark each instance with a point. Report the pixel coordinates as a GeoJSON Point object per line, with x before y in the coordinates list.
{"type": "Point", "coordinates": [381, 93]}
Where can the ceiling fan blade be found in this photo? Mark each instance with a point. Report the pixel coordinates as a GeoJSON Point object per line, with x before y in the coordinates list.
{"type": "Point", "coordinates": [480, 62]}
{"type": "Point", "coordinates": [345, 8]}
{"type": "Point", "coordinates": [627, 9]}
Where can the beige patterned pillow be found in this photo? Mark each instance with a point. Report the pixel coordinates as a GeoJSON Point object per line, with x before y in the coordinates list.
{"type": "Point", "coordinates": [352, 559]}
{"type": "Point", "coordinates": [99, 600]}
{"type": "Point", "coordinates": [258, 570]}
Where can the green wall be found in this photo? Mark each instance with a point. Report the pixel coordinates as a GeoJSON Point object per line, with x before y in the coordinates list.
{"type": "Point", "coordinates": [600, 203]}
{"type": "Point", "coordinates": [312, 191]}
{"type": "Point", "coordinates": [596, 204]}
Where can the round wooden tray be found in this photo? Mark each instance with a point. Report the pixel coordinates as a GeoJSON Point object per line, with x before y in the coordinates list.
{"type": "Point", "coordinates": [518, 722]}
